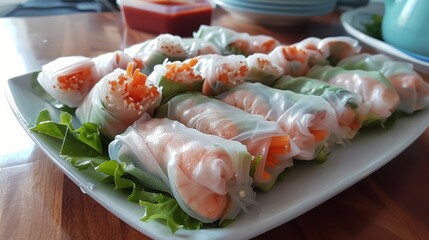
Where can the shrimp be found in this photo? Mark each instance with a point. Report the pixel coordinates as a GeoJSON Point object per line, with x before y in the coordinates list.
{"type": "Point", "coordinates": [308, 120]}
{"type": "Point", "coordinates": [262, 138]}
{"type": "Point", "coordinates": [412, 89]}
{"type": "Point", "coordinates": [203, 172]}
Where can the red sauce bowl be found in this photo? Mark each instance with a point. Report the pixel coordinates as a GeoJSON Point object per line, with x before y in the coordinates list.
{"type": "Point", "coordinates": [177, 17]}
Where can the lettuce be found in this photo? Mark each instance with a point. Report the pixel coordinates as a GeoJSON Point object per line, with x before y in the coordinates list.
{"type": "Point", "coordinates": [84, 147]}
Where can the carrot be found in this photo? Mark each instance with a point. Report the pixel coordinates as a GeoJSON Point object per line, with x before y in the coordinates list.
{"type": "Point", "coordinates": [319, 135]}
{"type": "Point", "coordinates": [174, 70]}
{"type": "Point", "coordinates": [73, 81]}
{"type": "Point", "coordinates": [279, 145]}
{"type": "Point", "coordinates": [272, 161]}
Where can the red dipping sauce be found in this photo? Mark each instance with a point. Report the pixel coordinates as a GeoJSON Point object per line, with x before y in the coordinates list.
{"type": "Point", "coordinates": [166, 16]}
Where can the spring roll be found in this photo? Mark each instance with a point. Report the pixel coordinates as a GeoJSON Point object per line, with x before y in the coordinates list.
{"type": "Point", "coordinates": [68, 79]}
{"type": "Point", "coordinates": [293, 61]}
{"type": "Point", "coordinates": [262, 69]}
{"type": "Point", "coordinates": [155, 51]}
{"type": "Point", "coordinates": [232, 42]}
{"type": "Point", "coordinates": [207, 175]}
{"type": "Point", "coordinates": [119, 99]}
{"type": "Point", "coordinates": [412, 89]}
{"type": "Point", "coordinates": [377, 93]}
{"type": "Point", "coordinates": [221, 72]}
{"type": "Point", "coordinates": [308, 120]}
{"type": "Point", "coordinates": [177, 77]}
{"type": "Point", "coordinates": [328, 50]}
{"type": "Point", "coordinates": [349, 108]}
{"type": "Point", "coordinates": [272, 148]}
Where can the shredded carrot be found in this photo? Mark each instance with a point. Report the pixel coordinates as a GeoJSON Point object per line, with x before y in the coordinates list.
{"type": "Point", "coordinates": [266, 175]}
{"type": "Point", "coordinates": [279, 145]}
{"type": "Point", "coordinates": [272, 161]}
{"type": "Point", "coordinates": [268, 46]}
{"type": "Point", "coordinates": [117, 58]}
{"type": "Point", "coordinates": [130, 68]}
{"type": "Point", "coordinates": [292, 53]}
{"type": "Point", "coordinates": [139, 62]}
{"type": "Point", "coordinates": [73, 81]}
{"type": "Point", "coordinates": [319, 135]}
{"type": "Point", "coordinates": [174, 68]}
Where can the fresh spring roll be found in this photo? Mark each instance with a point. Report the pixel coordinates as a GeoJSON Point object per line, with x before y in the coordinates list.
{"type": "Point", "coordinates": [68, 79]}
{"type": "Point", "coordinates": [412, 89]}
{"type": "Point", "coordinates": [308, 120]}
{"type": "Point", "coordinates": [329, 50]}
{"type": "Point", "coordinates": [156, 50]}
{"type": "Point", "coordinates": [378, 95]}
{"type": "Point", "coordinates": [109, 62]}
{"type": "Point", "coordinates": [349, 108]}
{"type": "Point", "coordinates": [292, 60]}
{"type": "Point", "coordinates": [262, 69]}
{"type": "Point", "coordinates": [119, 99]}
{"type": "Point", "coordinates": [232, 42]}
{"type": "Point", "coordinates": [272, 148]}
{"type": "Point", "coordinates": [196, 47]}
{"type": "Point", "coordinates": [221, 72]}
{"type": "Point", "coordinates": [177, 77]}
{"type": "Point", "coordinates": [207, 175]}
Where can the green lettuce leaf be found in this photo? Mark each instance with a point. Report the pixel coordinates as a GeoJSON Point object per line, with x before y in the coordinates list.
{"type": "Point", "coordinates": [159, 206]}
{"type": "Point", "coordinates": [171, 88]}
{"type": "Point", "coordinates": [168, 210]}
{"type": "Point", "coordinates": [83, 148]}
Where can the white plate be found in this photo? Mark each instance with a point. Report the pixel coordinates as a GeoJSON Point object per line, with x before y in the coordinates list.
{"type": "Point", "coordinates": [304, 187]}
{"type": "Point", "coordinates": [353, 21]}
{"type": "Point", "coordinates": [265, 17]}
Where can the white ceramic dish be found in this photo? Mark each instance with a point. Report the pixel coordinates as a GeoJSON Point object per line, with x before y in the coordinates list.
{"type": "Point", "coordinates": [304, 187]}
{"type": "Point", "coordinates": [353, 21]}
{"type": "Point", "coordinates": [279, 10]}
{"type": "Point", "coordinates": [265, 17]}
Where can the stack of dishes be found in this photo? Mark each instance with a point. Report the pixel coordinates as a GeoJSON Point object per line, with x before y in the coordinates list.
{"type": "Point", "coordinates": [276, 12]}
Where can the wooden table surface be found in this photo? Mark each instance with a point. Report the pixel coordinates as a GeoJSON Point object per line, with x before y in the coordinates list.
{"type": "Point", "coordinates": [37, 201]}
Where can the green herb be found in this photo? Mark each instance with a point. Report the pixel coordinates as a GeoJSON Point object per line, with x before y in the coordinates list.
{"type": "Point", "coordinates": [373, 28]}
{"type": "Point", "coordinates": [84, 148]}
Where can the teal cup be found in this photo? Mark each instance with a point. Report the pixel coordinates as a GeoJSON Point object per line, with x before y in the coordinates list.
{"type": "Point", "coordinates": [406, 25]}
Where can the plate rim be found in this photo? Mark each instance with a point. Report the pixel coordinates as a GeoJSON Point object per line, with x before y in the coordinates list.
{"type": "Point", "coordinates": [346, 20]}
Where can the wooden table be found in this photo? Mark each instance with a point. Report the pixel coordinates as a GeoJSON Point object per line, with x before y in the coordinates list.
{"type": "Point", "coordinates": [37, 201]}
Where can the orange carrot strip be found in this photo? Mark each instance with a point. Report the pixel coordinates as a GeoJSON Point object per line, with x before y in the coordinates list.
{"type": "Point", "coordinates": [272, 161]}
{"type": "Point", "coordinates": [266, 175]}
{"type": "Point", "coordinates": [319, 135]}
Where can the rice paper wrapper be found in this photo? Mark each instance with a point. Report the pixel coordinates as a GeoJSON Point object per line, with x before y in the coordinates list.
{"type": "Point", "coordinates": [349, 108]}
{"type": "Point", "coordinates": [376, 91]}
{"type": "Point", "coordinates": [232, 42]}
{"type": "Point", "coordinates": [221, 72]}
{"type": "Point", "coordinates": [177, 77]}
{"type": "Point", "coordinates": [207, 175]}
{"type": "Point", "coordinates": [108, 108]}
{"type": "Point", "coordinates": [196, 47]}
{"type": "Point", "coordinates": [212, 116]}
{"type": "Point", "coordinates": [109, 62]}
{"type": "Point", "coordinates": [68, 79]}
{"type": "Point", "coordinates": [262, 69]}
{"type": "Point", "coordinates": [412, 89]}
{"type": "Point", "coordinates": [156, 51]}
{"type": "Point", "coordinates": [308, 120]}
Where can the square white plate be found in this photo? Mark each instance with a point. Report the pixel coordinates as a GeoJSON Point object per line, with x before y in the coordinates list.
{"type": "Point", "coordinates": [304, 187]}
